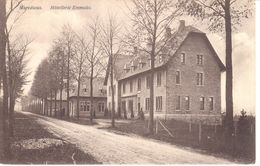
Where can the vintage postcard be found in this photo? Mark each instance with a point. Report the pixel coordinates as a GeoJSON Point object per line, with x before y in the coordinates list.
{"type": "Point", "coordinates": [127, 81]}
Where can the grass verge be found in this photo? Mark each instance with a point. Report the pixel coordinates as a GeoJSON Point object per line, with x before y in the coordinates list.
{"type": "Point", "coordinates": [26, 128]}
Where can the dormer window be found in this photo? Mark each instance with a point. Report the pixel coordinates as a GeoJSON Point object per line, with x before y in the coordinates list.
{"type": "Point", "coordinates": [160, 58]}
{"type": "Point", "coordinates": [126, 69]}
{"type": "Point", "coordinates": [141, 63]}
{"type": "Point", "coordinates": [132, 66]}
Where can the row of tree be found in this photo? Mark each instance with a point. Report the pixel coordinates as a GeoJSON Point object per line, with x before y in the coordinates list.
{"type": "Point", "coordinates": [13, 53]}
{"type": "Point", "coordinates": [75, 58]}
{"type": "Point", "coordinates": [149, 20]}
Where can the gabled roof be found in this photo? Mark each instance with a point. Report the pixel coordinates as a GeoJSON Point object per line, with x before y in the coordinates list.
{"type": "Point", "coordinates": [99, 90]}
{"type": "Point", "coordinates": [174, 43]}
{"type": "Point", "coordinates": [119, 62]}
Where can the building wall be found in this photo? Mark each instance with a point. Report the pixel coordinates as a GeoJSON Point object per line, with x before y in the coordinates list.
{"type": "Point", "coordinates": [141, 95]}
{"type": "Point", "coordinates": [96, 101]}
{"type": "Point", "coordinates": [109, 96]}
{"type": "Point", "coordinates": [195, 44]}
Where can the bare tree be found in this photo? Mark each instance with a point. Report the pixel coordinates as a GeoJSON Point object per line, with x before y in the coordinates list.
{"type": "Point", "coordinates": [4, 103]}
{"type": "Point", "coordinates": [55, 63]}
{"type": "Point", "coordinates": [94, 58]}
{"type": "Point", "coordinates": [68, 38]}
{"type": "Point", "coordinates": [151, 18]}
{"type": "Point", "coordinates": [40, 86]}
{"type": "Point", "coordinates": [110, 44]}
{"type": "Point", "coordinates": [6, 12]}
{"type": "Point", "coordinates": [222, 15]}
{"type": "Point", "coordinates": [78, 67]}
{"type": "Point", "coordinates": [18, 50]}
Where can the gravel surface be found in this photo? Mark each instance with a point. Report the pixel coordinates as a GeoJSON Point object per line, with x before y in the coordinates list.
{"type": "Point", "coordinates": [112, 148]}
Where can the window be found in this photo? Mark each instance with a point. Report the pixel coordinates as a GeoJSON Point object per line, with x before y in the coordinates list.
{"type": "Point", "coordinates": [159, 103]}
{"type": "Point", "coordinates": [178, 77]}
{"type": "Point", "coordinates": [109, 91]}
{"type": "Point", "coordinates": [101, 107]}
{"type": "Point", "coordinates": [131, 86]}
{"type": "Point", "coordinates": [159, 79]}
{"type": "Point", "coordinates": [160, 58]}
{"type": "Point", "coordinates": [82, 106]}
{"type": "Point", "coordinates": [87, 104]}
{"type": "Point", "coordinates": [187, 102]}
{"type": "Point", "coordinates": [147, 104]}
{"type": "Point", "coordinates": [84, 89]}
{"type": "Point", "coordinates": [132, 66]}
{"type": "Point", "coordinates": [148, 82]}
{"type": "Point", "coordinates": [139, 84]}
{"type": "Point", "coordinates": [178, 103]}
{"type": "Point", "coordinates": [211, 102]}
{"type": "Point", "coordinates": [182, 58]}
{"type": "Point", "coordinates": [123, 87]}
{"type": "Point", "coordinates": [199, 59]}
{"type": "Point", "coordinates": [202, 103]}
{"type": "Point", "coordinates": [199, 78]}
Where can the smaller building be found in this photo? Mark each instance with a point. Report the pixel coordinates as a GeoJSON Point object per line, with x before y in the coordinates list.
{"type": "Point", "coordinates": [99, 99]}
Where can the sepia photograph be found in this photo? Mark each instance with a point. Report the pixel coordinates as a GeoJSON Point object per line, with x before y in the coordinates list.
{"type": "Point", "coordinates": [127, 82]}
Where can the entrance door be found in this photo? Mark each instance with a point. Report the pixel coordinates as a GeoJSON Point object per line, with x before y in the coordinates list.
{"type": "Point", "coordinates": [130, 107]}
{"type": "Point", "coordinates": [138, 106]}
{"type": "Point", "coordinates": [124, 109]}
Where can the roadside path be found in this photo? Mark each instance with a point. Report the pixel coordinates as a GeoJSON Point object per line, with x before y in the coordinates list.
{"type": "Point", "coordinates": [111, 148]}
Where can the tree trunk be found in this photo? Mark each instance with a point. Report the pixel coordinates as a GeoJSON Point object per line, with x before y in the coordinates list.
{"type": "Point", "coordinates": [112, 92]}
{"type": "Point", "coordinates": [61, 87]}
{"type": "Point", "coordinates": [91, 93]}
{"type": "Point", "coordinates": [151, 113]}
{"type": "Point", "coordinates": [43, 108]}
{"type": "Point", "coordinates": [4, 140]}
{"type": "Point", "coordinates": [11, 116]}
{"type": "Point", "coordinates": [68, 84]}
{"type": "Point", "coordinates": [55, 103]}
{"type": "Point", "coordinates": [229, 74]}
{"type": "Point", "coordinates": [51, 104]}
{"type": "Point", "coordinates": [61, 102]}
{"type": "Point", "coordinates": [78, 98]}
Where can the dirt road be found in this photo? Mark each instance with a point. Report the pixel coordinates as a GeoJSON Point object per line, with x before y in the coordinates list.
{"type": "Point", "coordinates": [111, 148]}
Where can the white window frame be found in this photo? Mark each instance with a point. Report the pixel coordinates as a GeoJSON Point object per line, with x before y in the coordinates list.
{"type": "Point", "coordinates": [179, 77]}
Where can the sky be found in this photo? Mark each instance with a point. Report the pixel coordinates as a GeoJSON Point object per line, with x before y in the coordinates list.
{"type": "Point", "coordinates": [43, 26]}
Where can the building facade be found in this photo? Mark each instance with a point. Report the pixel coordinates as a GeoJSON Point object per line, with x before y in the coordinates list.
{"type": "Point", "coordinates": [187, 78]}
{"type": "Point", "coordinates": [99, 100]}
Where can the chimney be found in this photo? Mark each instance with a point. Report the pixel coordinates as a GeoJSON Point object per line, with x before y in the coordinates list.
{"type": "Point", "coordinates": [182, 25]}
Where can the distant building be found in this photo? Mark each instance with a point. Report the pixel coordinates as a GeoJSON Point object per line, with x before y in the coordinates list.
{"type": "Point", "coordinates": [187, 78]}
{"type": "Point", "coordinates": [99, 99]}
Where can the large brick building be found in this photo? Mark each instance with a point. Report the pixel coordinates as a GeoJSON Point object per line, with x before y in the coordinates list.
{"type": "Point", "coordinates": [187, 78]}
